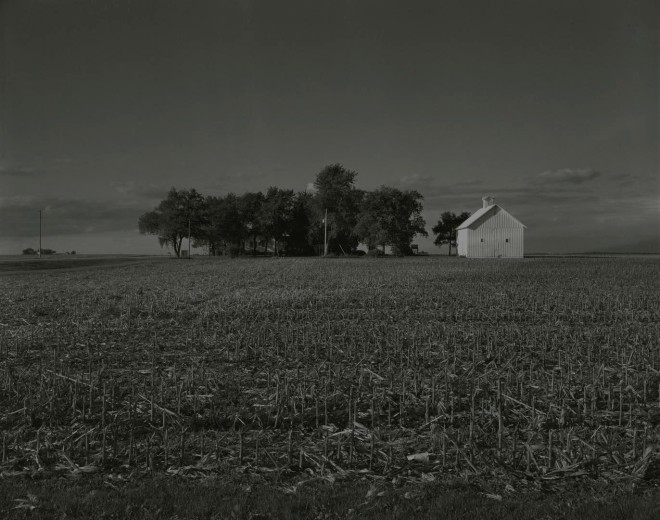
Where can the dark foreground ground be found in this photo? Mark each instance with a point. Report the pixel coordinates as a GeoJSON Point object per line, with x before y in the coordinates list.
{"type": "Point", "coordinates": [235, 496]}
{"type": "Point", "coordinates": [32, 264]}
{"type": "Point", "coordinates": [149, 388]}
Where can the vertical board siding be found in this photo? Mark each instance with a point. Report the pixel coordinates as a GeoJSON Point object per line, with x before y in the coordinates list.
{"type": "Point", "coordinates": [461, 241]}
{"type": "Point", "coordinates": [494, 243]}
{"type": "Point", "coordinates": [500, 219]}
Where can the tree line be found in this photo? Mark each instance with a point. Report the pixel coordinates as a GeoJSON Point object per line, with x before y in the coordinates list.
{"type": "Point", "coordinates": [336, 213]}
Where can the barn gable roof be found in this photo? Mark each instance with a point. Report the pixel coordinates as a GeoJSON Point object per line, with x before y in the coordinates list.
{"type": "Point", "coordinates": [483, 214]}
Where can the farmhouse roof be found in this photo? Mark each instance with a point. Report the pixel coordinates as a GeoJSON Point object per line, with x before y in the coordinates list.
{"type": "Point", "coordinates": [483, 212]}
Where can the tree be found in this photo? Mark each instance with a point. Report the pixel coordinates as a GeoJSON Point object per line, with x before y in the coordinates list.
{"type": "Point", "coordinates": [225, 225]}
{"type": "Point", "coordinates": [171, 220]}
{"type": "Point", "coordinates": [336, 193]}
{"type": "Point", "coordinates": [301, 230]}
{"type": "Point", "coordinates": [445, 229]}
{"type": "Point", "coordinates": [332, 185]}
{"type": "Point", "coordinates": [369, 228]}
{"type": "Point", "coordinates": [276, 214]}
{"type": "Point", "coordinates": [249, 205]}
{"type": "Point", "coordinates": [391, 217]}
{"type": "Point", "coordinates": [29, 251]}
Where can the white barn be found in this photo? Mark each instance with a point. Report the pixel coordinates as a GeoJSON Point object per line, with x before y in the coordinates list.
{"type": "Point", "coordinates": [491, 232]}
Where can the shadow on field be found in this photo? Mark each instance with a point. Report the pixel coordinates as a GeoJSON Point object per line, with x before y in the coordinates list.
{"type": "Point", "coordinates": [30, 265]}
{"type": "Point", "coordinates": [158, 498]}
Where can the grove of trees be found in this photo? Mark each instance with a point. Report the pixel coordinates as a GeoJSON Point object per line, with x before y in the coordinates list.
{"type": "Point", "coordinates": [293, 222]}
{"type": "Point", "coordinates": [30, 251]}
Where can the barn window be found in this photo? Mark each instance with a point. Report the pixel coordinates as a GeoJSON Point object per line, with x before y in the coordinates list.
{"type": "Point", "coordinates": [507, 239]}
{"type": "Point", "coordinates": [482, 239]}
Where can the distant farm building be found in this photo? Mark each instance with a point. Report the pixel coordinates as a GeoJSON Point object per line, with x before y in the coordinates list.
{"type": "Point", "coordinates": [491, 232]}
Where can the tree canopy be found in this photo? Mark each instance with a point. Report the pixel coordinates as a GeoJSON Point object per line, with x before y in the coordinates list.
{"type": "Point", "coordinates": [250, 205]}
{"type": "Point", "coordinates": [276, 215]}
{"type": "Point", "coordinates": [225, 226]}
{"type": "Point", "coordinates": [333, 186]}
{"type": "Point", "coordinates": [180, 213]}
{"type": "Point", "coordinates": [391, 217]}
{"type": "Point", "coordinates": [336, 193]}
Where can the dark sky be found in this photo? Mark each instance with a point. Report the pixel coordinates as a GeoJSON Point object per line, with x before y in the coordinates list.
{"type": "Point", "coordinates": [550, 106]}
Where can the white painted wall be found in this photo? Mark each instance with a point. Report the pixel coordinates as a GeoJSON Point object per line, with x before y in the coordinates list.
{"type": "Point", "coordinates": [461, 241]}
{"type": "Point", "coordinates": [486, 242]}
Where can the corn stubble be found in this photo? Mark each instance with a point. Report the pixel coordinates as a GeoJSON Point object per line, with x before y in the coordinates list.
{"type": "Point", "coordinates": [294, 369]}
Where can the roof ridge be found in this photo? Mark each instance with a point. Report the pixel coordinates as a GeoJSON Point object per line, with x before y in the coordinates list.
{"type": "Point", "coordinates": [481, 212]}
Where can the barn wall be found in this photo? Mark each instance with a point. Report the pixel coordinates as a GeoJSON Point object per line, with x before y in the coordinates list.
{"type": "Point", "coordinates": [461, 241]}
{"type": "Point", "coordinates": [494, 244]}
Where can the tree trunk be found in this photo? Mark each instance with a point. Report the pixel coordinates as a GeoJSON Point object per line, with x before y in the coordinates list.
{"type": "Point", "coordinates": [449, 252]}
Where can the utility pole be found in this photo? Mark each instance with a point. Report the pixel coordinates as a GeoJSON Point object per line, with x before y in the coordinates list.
{"type": "Point", "coordinates": [325, 234]}
{"type": "Point", "coordinates": [39, 233]}
{"type": "Point", "coordinates": [189, 251]}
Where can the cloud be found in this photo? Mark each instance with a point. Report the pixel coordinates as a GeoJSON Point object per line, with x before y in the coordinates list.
{"type": "Point", "coordinates": [19, 216]}
{"type": "Point", "coordinates": [415, 179]}
{"type": "Point", "coordinates": [566, 176]}
{"type": "Point", "coordinates": [63, 160]}
{"type": "Point", "coordinates": [470, 182]}
{"type": "Point", "coordinates": [140, 190]}
{"type": "Point", "coordinates": [17, 170]}
{"type": "Point", "coordinates": [623, 179]}
{"type": "Point", "coordinates": [240, 175]}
